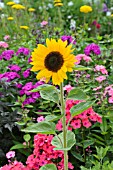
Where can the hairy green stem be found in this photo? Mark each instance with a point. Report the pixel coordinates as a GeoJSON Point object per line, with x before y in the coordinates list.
{"type": "Point", "coordinates": [64, 127]}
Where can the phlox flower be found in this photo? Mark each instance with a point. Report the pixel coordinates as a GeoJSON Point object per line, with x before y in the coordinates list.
{"type": "Point", "coordinates": [92, 48]}
{"type": "Point", "coordinates": [10, 154]}
{"type": "Point", "coordinates": [3, 44]}
{"type": "Point", "coordinates": [26, 73]}
{"type": "Point", "coordinates": [40, 119]}
{"type": "Point", "coordinates": [100, 78]}
{"type": "Point", "coordinates": [14, 67]}
{"type": "Point", "coordinates": [68, 38]}
{"type": "Point", "coordinates": [68, 88]}
{"type": "Point", "coordinates": [44, 23]}
{"type": "Point", "coordinates": [23, 50]}
{"type": "Point", "coordinates": [101, 68]}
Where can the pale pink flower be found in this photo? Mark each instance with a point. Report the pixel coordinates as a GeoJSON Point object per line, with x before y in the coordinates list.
{"type": "Point", "coordinates": [79, 57]}
{"type": "Point", "coordinates": [40, 119]}
{"type": "Point", "coordinates": [100, 78]}
{"type": "Point", "coordinates": [97, 88]}
{"type": "Point", "coordinates": [44, 23]}
{"type": "Point", "coordinates": [101, 68]}
{"type": "Point", "coordinates": [110, 100]}
{"type": "Point", "coordinates": [6, 37]}
{"type": "Point", "coordinates": [68, 88]}
{"type": "Point", "coordinates": [10, 154]}
{"type": "Point", "coordinates": [3, 44]}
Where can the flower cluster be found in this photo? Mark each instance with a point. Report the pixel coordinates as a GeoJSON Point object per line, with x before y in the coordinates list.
{"type": "Point", "coordinates": [68, 38]}
{"type": "Point", "coordinates": [23, 50]}
{"type": "Point", "coordinates": [97, 25]}
{"type": "Point", "coordinates": [86, 118]}
{"type": "Point", "coordinates": [101, 68]}
{"type": "Point", "coordinates": [92, 48]}
{"type": "Point", "coordinates": [44, 153]}
{"type": "Point", "coordinates": [79, 57]}
{"type": "Point", "coordinates": [9, 76]}
{"type": "Point", "coordinates": [14, 67]}
{"type": "Point", "coordinates": [3, 44]}
{"type": "Point", "coordinates": [85, 9]}
{"type": "Point", "coordinates": [7, 55]}
{"type": "Point", "coordinates": [109, 93]}
{"type": "Point", "coordinates": [31, 96]}
{"type": "Point", "coordinates": [14, 166]}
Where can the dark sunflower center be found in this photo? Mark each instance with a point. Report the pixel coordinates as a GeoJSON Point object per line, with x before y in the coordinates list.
{"type": "Point", "coordinates": [54, 61]}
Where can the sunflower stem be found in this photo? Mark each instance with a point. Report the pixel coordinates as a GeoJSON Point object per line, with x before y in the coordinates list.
{"type": "Point", "coordinates": [64, 127]}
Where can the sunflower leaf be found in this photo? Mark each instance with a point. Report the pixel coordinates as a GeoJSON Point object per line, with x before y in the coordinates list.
{"type": "Point", "coordinates": [77, 94]}
{"type": "Point", "coordinates": [41, 127]}
{"type": "Point", "coordinates": [58, 141]}
{"type": "Point", "coordinates": [44, 87]}
{"type": "Point", "coordinates": [50, 94]}
{"type": "Point", "coordinates": [79, 108]}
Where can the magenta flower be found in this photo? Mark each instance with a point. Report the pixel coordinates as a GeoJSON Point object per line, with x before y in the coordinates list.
{"type": "Point", "coordinates": [23, 50]}
{"type": "Point", "coordinates": [7, 54]}
{"type": "Point", "coordinates": [68, 38]}
{"type": "Point", "coordinates": [14, 68]}
{"type": "Point", "coordinates": [100, 78]}
{"type": "Point", "coordinates": [92, 48]}
{"type": "Point", "coordinates": [26, 73]}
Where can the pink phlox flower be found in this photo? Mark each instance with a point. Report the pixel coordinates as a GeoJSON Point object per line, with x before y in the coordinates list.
{"type": "Point", "coordinates": [101, 68]}
{"type": "Point", "coordinates": [97, 88]}
{"type": "Point", "coordinates": [44, 23]}
{"type": "Point", "coordinates": [110, 100]}
{"type": "Point", "coordinates": [40, 119]}
{"type": "Point", "coordinates": [100, 78]}
{"type": "Point", "coordinates": [68, 88]}
{"type": "Point", "coordinates": [10, 154]}
{"type": "Point", "coordinates": [6, 37]}
{"type": "Point", "coordinates": [3, 44]}
{"type": "Point", "coordinates": [26, 73]}
{"type": "Point", "coordinates": [86, 123]}
{"type": "Point", "coordinates": [76, 123]}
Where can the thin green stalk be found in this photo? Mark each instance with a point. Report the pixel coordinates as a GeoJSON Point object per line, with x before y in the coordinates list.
{"type": "Point", "coordinates": [64, 127]}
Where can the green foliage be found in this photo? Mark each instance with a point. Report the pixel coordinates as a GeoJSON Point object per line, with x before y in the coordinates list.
{"type": "Point", "coordinates": [48, 167]}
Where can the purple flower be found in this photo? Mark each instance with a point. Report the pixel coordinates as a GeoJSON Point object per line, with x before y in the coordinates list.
{"type": "Point", "coordinates": [105, 8]}
{"type": "Point", "coordinates": [29, 59]}
{"type": "Point", "coordinates": [13, 75]}
{"type": "Point", "coordinates": [28, 86]}
{"type": "Point", "coordinates": [21, 92]}
{"type": "Point", "coordinates": [26, 73]}
{"type": "Point", "coordinates": [23, 50]}
{"type": "Point", "coordinates": [19, 85]}
{"type": "Point", "coordinates": [38, 84]}
{"type": "Point", "coordinates": [14, 68]}
{"type": "Point", "coordinates": [68, 38]}
{"type": "Point", "coordinates": [35, 95]}
{"type": "Point", "coordinates": [7, 54]}
{"type": "Point", "coordinates": [92, 48]}
{"type": "Point", "coordinates": [1, 57]}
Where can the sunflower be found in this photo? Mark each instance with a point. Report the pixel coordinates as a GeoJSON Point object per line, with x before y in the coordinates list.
{"type": "Point", "coordinates": [53, 60]}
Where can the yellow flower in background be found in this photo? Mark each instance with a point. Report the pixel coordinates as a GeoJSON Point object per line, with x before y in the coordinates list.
{"type": "Point", "coordinates": [0, 8]}
{"type": "Point", "coordinates": [31, 9]}
{"type": "Point", "coordinates": [10, 18]}
{"type": "Point", "coordinates": [53, 60]}
{"type": "Point", "coordinates": [58, 3]}
{"type": "Point", "coordinates": [24, 27]}
{"type": "Point", "coordinates": [111, 15]}
{"type": "Point", "coordinates": [10, 3]}
{"type": "Point", "coordinates": [18, 6]}
{"type": "Point", "coordinates": [85, 9]}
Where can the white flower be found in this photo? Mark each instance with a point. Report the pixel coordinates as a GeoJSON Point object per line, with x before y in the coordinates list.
{"type": "Point", "coordinates": [111, 8]}
{"type": "Point", "coordinates": [50, 5]}
{"type": "Point", "coordinates": [108, 13]}
{"type": "Point", "coordinates": [69, 16]}
{"type": "Point", "coordinates": [72, 24]}
{"type": "Point", "coordinates": [89, 29]}
{"type": "Point", "coordinates": [70, 3]}
{"type": "Point", "coordinates": [16, 1]}
{"type": "Point", "coordinates": [1, 5]}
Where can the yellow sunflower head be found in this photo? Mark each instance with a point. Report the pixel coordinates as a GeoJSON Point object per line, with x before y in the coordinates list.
{"type": "Point", "coordinates": [53, 60]}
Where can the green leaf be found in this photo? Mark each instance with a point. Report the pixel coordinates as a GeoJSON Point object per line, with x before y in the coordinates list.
{"type": "Point", "coordinates": [27, 137]}
{"type": "Point", "coordinates": [48, 167]}
{"type": "Point", "coordinates": [80, 68]}
{"type": "Point", "coordinates": [44, 87]}
{"type": "Point", "coordinates": [51, 95]}
{"type": "Point", "coordinates": [79, 108]}
{"type": "Point", "coordinates": [87, 143]}
{"type": "Point", "coordinates": [52, 118]}
{"type": "Point", "coordinates": [43, 113]}
{"type": "Point", "coordinates": [77, 156]}
{"type": "Point", "coordinates": [17, 146]}
{"type": "Point", "coordinates": [41, 127]}
{"type": "Point", "coordinates": [58, 141]}
{"type": "Point", "coordinates": [77, 94]}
